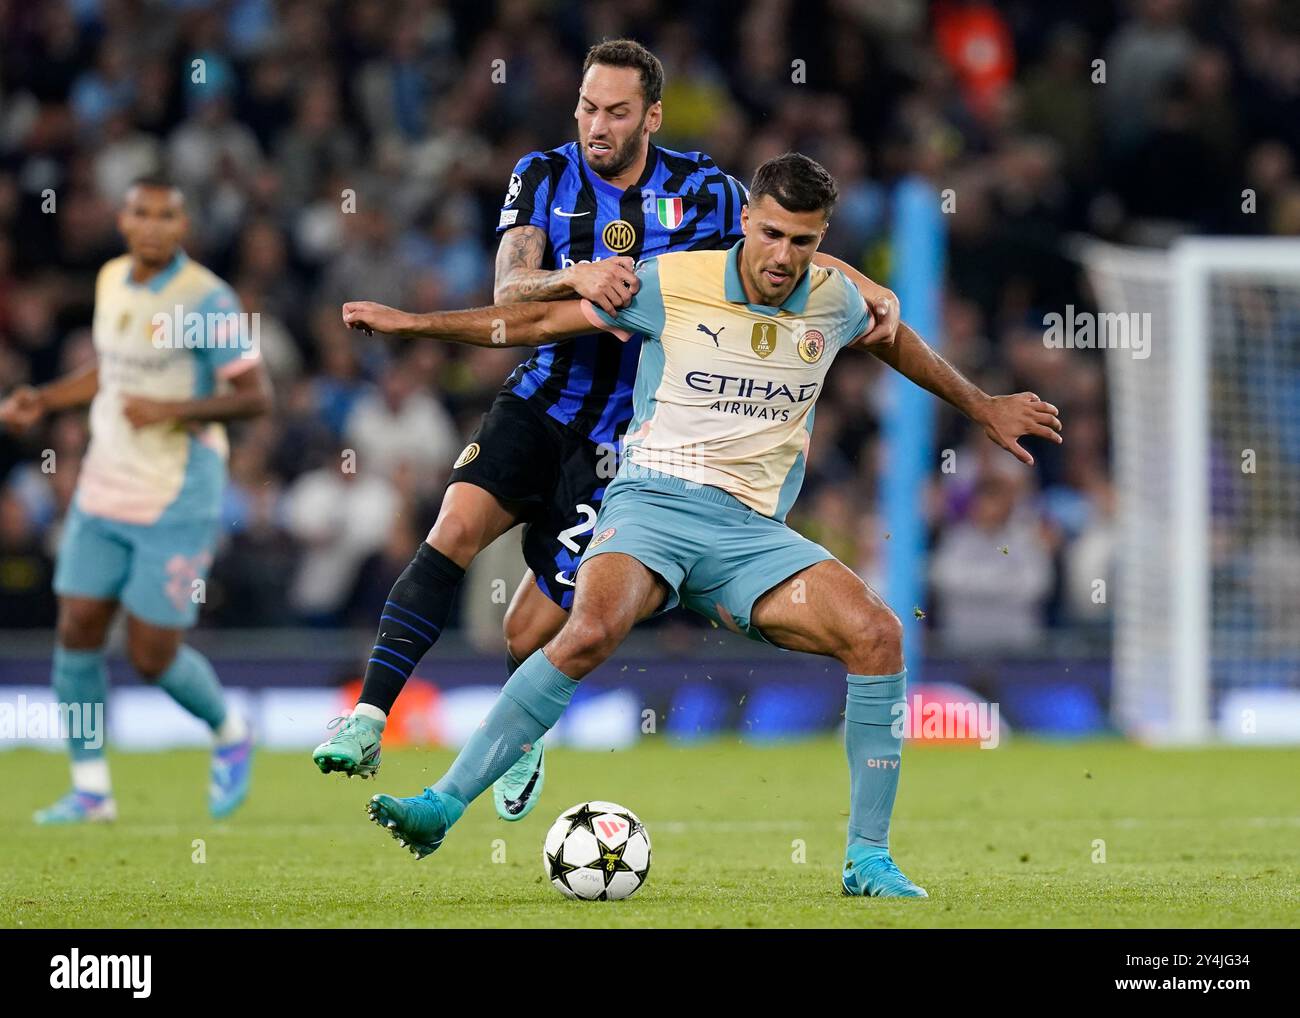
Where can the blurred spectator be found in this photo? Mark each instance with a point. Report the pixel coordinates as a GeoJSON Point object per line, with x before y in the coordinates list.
{"type": "Point", "coordinates": [26, 570]}
{"type": "Point", "coordinates": [340, 515]}
{"type": "Point", "coordinates": [992, 573]}
{"type": "Point", "coordinates": [402, 424]}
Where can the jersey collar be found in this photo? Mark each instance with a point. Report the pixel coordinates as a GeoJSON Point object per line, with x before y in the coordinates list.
{"type": "Point", "coordinates": [164, 277]}
{"type": "Point", "coordinates": [735, 290]}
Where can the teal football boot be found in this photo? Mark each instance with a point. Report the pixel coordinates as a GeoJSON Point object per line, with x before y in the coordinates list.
{"type": "Point", "coordinates": [419, 823]}
{"type": "Point", "coordinates": [870, 872]}
{"type": "Point", "coordinates": [79, 808]}
{"type": "Point", "coordinates": [516, 792]}
{"type": "Point", "coordinates": [231, 774]}
{"type": "Point", "coordinates": [353, 749]}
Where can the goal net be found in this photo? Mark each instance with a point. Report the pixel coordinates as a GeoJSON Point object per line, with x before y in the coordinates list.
{"type": "Point", "coordinates": [1205, 432]}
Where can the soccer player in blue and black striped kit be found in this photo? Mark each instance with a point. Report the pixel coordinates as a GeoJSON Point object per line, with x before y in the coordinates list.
{"type": "Point", "coordinates": [574, 222]}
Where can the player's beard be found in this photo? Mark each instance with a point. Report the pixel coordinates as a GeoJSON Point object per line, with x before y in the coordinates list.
{"type": "Point", "coordinates": [620, 158]}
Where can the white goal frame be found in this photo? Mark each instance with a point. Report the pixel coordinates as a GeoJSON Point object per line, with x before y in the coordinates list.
{"type": "Point", "coordinates": [1188, 269]}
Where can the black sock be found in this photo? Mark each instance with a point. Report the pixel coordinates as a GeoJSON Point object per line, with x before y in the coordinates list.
{"type": "Point", "coordinates": [511, 663]}
{"type": "Point", "coordinates": [412, 620]}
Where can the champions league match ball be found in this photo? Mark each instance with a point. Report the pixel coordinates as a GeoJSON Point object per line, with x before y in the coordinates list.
{"type": "Point", "coordinates": [597, 851]}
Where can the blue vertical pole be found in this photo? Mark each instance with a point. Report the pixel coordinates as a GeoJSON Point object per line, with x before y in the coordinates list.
{"type": "Point", "coordinates": [919, 235]}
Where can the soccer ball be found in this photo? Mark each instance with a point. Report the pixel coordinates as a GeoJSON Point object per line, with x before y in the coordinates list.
{"type": "Point", "coordinates": [597, 851]}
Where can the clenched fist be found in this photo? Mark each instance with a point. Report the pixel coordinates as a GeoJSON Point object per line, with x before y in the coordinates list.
{"type": "Point", "coordinates": [21, 409]}
{"type": "Point", "coordinates": [370, 317]}
{"type": "Point", "coordinates": [609, 283]}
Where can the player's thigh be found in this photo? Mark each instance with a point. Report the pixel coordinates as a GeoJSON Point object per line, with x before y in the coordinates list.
{"type": "Point", "coordinates": [167, 582]}
{"type": "Point", "coordinates": [151, 648]}
{"type": "Point", "coordinates": [825, 608]}
{"type": "Point", "coordinates": [83, 621]}
{"type": "Point", "coordinates": [558, 534]}
{"type": "Point", "coordinates": [615, 591]}
{"type": "Point", "coordinates": [532, 619]}
{"type": "Point", "coordinates": [749, 555]}
{"type": "Point", "coordinates": [504, 475]}
{"type": "Point", "coordinates": [469, 520]}
{"type": "Point", "coordinates": [94, 563]}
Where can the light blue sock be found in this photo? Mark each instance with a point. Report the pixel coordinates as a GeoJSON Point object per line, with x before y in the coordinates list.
{"type": "Point", "coordinates": [874, 753]}
{"type": "Point", "coordinates": [191, 682]}
{"type": "Point", "coordinates": [80, 677]}
{"type": "Point", "coordinates": [531, 701]}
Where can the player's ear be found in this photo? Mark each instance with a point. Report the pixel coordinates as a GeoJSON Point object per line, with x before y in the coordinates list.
{"type": "Point", "coordinates": [654, 116]}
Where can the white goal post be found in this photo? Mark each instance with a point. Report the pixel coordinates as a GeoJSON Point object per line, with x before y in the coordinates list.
{"type": "Point", "coordinates": [1205, 433]}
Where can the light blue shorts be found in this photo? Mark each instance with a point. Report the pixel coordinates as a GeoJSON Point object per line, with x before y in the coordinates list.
{"type": "Point", "coordinates": [151, 568]}
{"type": "Point", "coordinates": [717, 555]}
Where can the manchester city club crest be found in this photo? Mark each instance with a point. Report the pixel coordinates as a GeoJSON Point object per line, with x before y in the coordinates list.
{"type": "Point", "coordinates": [763, 338]}
{"type": "Point", "coordinates": [811, 345]}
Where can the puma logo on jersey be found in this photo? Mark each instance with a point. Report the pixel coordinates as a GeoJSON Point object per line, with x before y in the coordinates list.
{"type": "Point", "coordinates": [712, 335]}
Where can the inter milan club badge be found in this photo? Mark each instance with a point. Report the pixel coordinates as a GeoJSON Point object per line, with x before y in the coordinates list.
{"type": "Point", "coordinates": [810, 346]}
{"type": "Point", "coordinates": [619, 236]}
{"type": "Point", "coordinates": [763, 338]}
{"type": "Point", "coordinates": [468, 455]}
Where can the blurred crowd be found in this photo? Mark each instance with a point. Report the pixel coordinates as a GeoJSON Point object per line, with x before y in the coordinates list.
{"type": "Point", "coordinates": [359, 149]}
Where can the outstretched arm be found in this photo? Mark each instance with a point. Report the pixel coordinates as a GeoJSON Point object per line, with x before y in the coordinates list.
{"type": "Point", "coordinates": [532, 323]}
{"type": "Point", "coordinates": [1004, 418]}
{"type": "Point", "coordinates": [25, 406]}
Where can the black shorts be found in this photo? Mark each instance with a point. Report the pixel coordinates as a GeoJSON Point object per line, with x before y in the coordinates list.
{"type": "Point", "coordinates": [553, 475]}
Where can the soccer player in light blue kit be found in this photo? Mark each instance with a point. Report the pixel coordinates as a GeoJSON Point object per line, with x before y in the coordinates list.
{"type": "Point", "coordinates": [736, 348]}
{"type": "Point", "coordinates": [175, 359]}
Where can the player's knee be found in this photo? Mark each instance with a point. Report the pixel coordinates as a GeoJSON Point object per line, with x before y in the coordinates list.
{"type": "Point", "coordinates": [873, 641]}
{"type": "Point", "coordinates": [590, 637]}
{"type": "Point", "coordinates": [81, 628]}
{"type": "Point", "coordinates": [456, 537]}
{"type": "Point", "coordinates": [150, 658]}
{"type": "Point", "coordinates": [521, 633]}
{"type": "Point", "coordinates": [527, 628]}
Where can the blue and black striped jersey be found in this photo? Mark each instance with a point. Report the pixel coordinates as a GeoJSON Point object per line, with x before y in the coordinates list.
{"type": "Point", "coordinates": [682, 202]}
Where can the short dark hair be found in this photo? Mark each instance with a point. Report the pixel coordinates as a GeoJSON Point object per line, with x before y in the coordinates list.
{"type": "Point", "coordinates": [798, 184]}
{"type": "Point", "coordinates": [630, 53]}
{"type": "Point", "coordinates": [155, 179]}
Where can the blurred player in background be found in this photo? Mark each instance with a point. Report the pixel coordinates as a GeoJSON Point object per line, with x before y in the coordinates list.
{"type": "Point", "coordinates": [169, 338]}
{"type": "Point", "coordinates": [575, 220]}
{"type": "Point", "coordinates": [737, 348]}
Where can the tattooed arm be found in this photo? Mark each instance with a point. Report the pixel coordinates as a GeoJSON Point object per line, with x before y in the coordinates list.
{"type": "Point", "coordinates": [608, 283]}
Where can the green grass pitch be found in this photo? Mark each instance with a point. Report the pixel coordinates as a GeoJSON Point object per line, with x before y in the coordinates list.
{"type": "Point", "coordinates": [1007, 837]}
